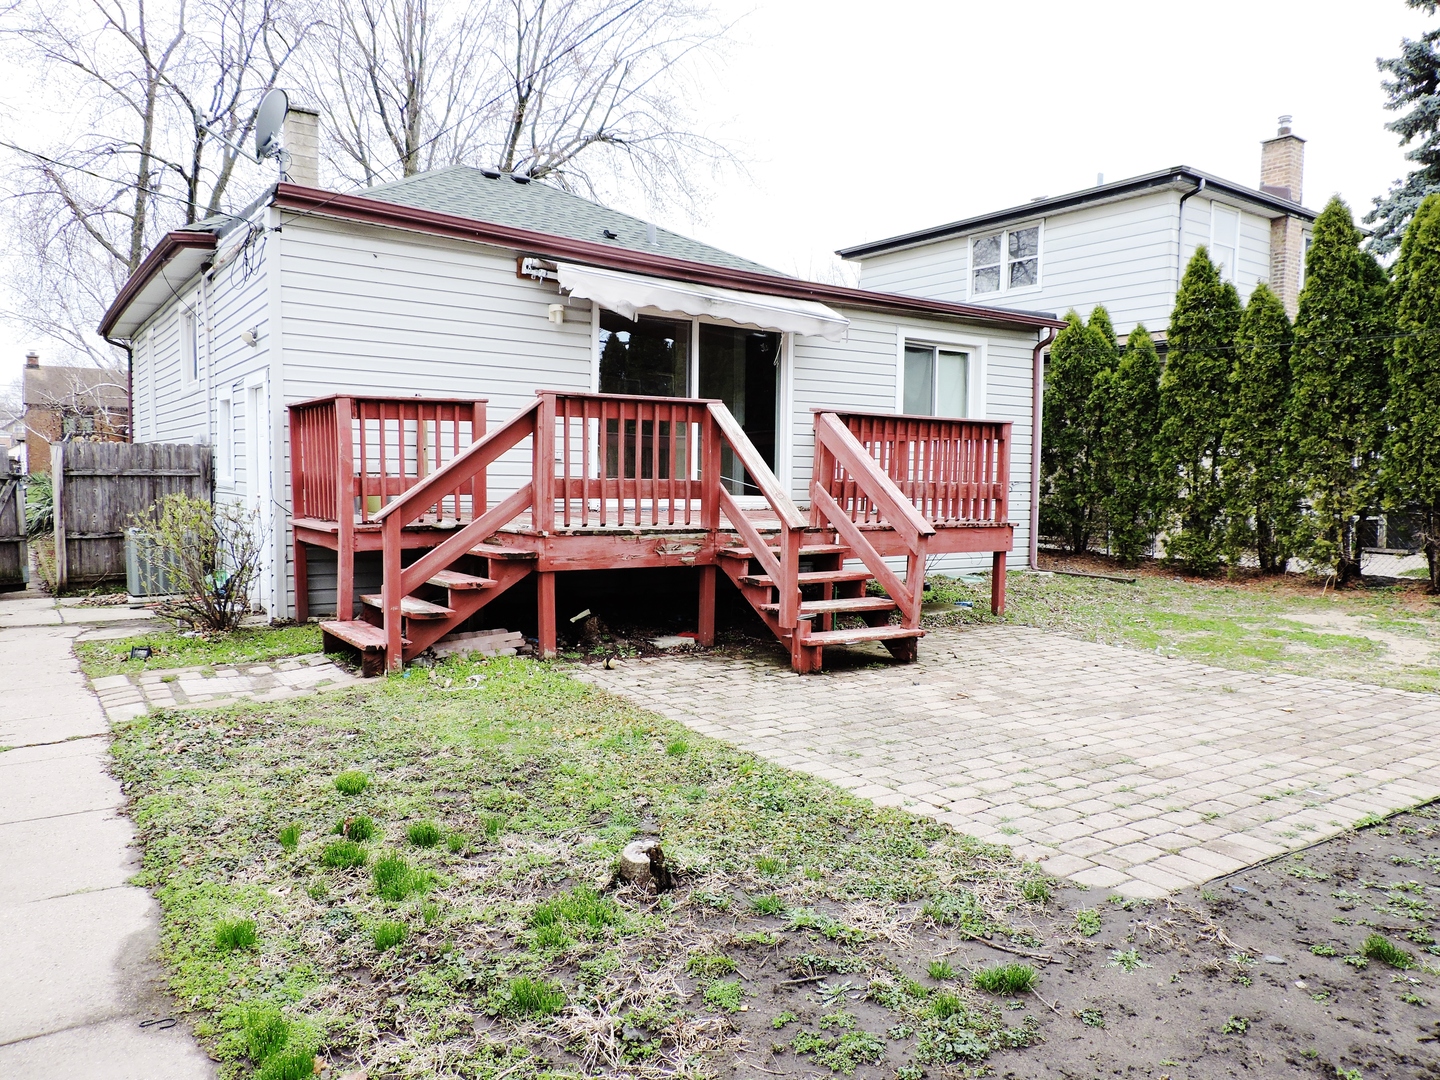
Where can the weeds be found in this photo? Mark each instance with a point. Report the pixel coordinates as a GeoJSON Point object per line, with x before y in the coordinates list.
{"type": "Point", "coordinates": [290, 837]}
{"type": "Point", "coordinates": [767, 905]}
{"type": "Point", "coordinates": [351, 783]}
{"type": "Point", "coordinates": [358, 828]}
{"type": "Point", "coordinates": [343, 855]}
{"type": "Point", "coordinates": [1379, 947]}
{"type": "Point", "coordinates": [724, 995]}
{"type": "Point", "coordinates": [962, 910]}
{"type": "Point", "coordinates": [535, 997]}
{"type": "Point", "coordinates": [1091, 1018]}
{"type": "Point", "coordinates": [1126, 959]}
{"type": "Point", "coordinates": [1087, 921]}
{"type": "Point", "coordinates": [387, 935]}
{"type": "Point", "coordinates": [293, 1064]}
{"type": "Point", "coordinates": [1235, 1025]}
{"type": "Point", "coordinates": [1036, 889]}
{"type": "Point", "coordinates": [582, 911]}
{"type": "Point", "coordinates": [425, 834]}
{"type": "Point", "coordinates": [234, 935]}
{"type": "Point", "coordinates": [264, 1030]}
{"type": "Point", "coordinates": [710, 966]}
{"type": "Point", "coordinates": [941, 971]}
{"type": "Point", "coordinates": [1005, 979]}
{"type": "Point", "coordinates": [396, 880]}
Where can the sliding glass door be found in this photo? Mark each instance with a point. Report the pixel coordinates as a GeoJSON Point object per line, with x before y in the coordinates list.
{"type": "Point", "coordinates": [742, 369]}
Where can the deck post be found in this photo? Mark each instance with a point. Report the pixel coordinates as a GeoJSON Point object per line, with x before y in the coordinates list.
{"type": "Point", "coordinates": [302, 583]}
{"type": "Point", "coordinates": [545, 607]}
{"type": "Point", "coordinates": [390, 595]}
{"type": "Point", "coordinates": [344, 511]}
{"type": "Point", "coordinates": [997, 583]}
{"type": "Point", "coordinates": [479, 494]}
{"type": "Point", "coordinates": [707, 606]}
{"type": "Point", "coordinates": [542, 444]}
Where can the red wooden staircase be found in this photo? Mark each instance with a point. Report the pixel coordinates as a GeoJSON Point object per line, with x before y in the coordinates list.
{"type": "Point", "coordinates": [620, 482]}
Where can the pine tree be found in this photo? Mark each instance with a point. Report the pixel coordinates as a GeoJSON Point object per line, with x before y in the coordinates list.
{"type": "Point", "coordinates": [1194, 406]}
{"type": "Point", "coordinates": [1261, 498]}
{"type": "Point", "coordinates": [1338, 390]}
{"type": "Point", "coordinates": [1414, 85]}
{"type": "Point", "coordinates": [1132, 499]}
{"type": "Point", "coordinates": [1411, 470]}
{"type": "Point", "coordinates": [1070, 488]}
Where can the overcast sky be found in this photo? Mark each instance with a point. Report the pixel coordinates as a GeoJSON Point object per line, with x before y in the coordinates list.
{"type": "Point", "coordinates": [861, 119]}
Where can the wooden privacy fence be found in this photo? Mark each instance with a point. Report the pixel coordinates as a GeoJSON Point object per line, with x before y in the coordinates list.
{"type": "Point", "coordinates": [12, 526]}
{"type": "Point", "coordinates": [101, 487]}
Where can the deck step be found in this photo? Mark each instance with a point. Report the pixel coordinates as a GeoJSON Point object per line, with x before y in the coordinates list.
{"type": "Point", "coordinates": [367, 637]}
{"type": "Point", "coordinates": [816, 577]}
{"type": "Point", "coordinates": [811, 608]}
{"type": "Point", "coordinates": [495, 551]}
{"type": "Point", "coordinates": [805, 552]}
{"type": "Point", "coordinates": [855, 637]}
{"type": "Point", "coordinates": [453, 579]}
{"type": "Point", "coordinates": [411, 607]}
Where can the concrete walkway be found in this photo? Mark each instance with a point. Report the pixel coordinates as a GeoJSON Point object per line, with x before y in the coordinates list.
{"type": "Point", "coordinates": [1119, 769]}
{"type": "Point", "coordinates": [77, 978]}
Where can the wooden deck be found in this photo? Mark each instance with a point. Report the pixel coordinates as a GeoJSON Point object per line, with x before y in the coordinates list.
{"type": "Point", "coordinates": [626, 482]}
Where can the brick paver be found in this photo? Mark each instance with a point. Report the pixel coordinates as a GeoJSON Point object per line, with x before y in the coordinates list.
{"type": "Point", "coordinates": [127, 696]}
{"type": "Point", "coordinates": [1115, 768]}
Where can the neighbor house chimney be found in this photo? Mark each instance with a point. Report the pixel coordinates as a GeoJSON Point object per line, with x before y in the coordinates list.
{"type": "Point", "coordinates": [302, 146]}
{"type": "Point", "coordinates": [1282, 174]}
{"type": "Point", "coordinates": [32, 359]}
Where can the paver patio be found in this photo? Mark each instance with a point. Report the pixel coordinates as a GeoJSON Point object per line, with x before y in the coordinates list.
{"type": "Point", "coordinates": [1115, 768]}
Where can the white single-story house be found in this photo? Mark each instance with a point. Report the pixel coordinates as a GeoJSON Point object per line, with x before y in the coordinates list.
{"type": "Point", "coordinates": [468, 285]}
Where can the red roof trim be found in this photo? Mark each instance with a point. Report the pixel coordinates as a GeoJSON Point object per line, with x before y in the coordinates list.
{"type": "Point", "coordinates": [170, 245]}
{"type": "Point", "coordinates": [373, 211]}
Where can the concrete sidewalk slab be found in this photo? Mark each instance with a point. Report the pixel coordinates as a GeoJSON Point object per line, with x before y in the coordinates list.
{"type": "Point", "coordinates": [77, 974]}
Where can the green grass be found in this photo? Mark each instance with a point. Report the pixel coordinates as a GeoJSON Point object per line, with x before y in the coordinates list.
{"type": "Point", "coordinates": [264, 1030]}
{"type": "Point", "coordinates": [941, 970]}
{"type": "Point", "coordinates": [358, 828]}
{"type": "Point", "coordinates": [232, 935]}
{"type": "Point", "coordinates": [288, 1065]}
{"type": "Point", "coordinates": [1036, 890]}
{"type": "Point", "coordinates": [1260, 627]}
{"type": "Point", "coordinates": [1379, 947]}
{"type": "Point", "coordinates": [568, 775]}
{"type": "Point", "coordinates": [351, 783]}
{"type": "Point", "coordinates": [343, 855]}
{"type": "Point", "coordinates": [290, 837]}
{"type": "Point", "coordinates": [709, 965]}
{"type": "Point", "coordinates": [172, 650]}
{"type": "Point", "coordinates": [424, 834]}
{"type": "Point", "coordinates": [1009, 979]}
{"type": "Point", "coordinates": [387, 935]}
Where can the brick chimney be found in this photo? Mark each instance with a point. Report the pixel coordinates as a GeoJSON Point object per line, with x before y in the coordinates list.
{"type": "Point", "coordinates": [302, 146]}
{"type": "Point", "coordinates": [32, 359]}
{"type": "Point", "coordinates": [1282, 174]}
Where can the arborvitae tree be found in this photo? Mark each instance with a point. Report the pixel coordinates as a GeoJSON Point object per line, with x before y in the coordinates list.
{"type": "Point", "coordinates": [1338, 390]}
{"type": "Point", "coordinates": [1411, 470]}
{"type": "Point", "coordinates": [1107, 358]}
{"type": "Point", "coordinates": [1070, 491]}
{"type": "Point", "coordinates": [1194, 407]}
{"type": "Point", "coordinates": [1132, 500]}
{"type": "Point", "coordinates": [1414, 85]}
{"type": "Point", "coordinates": [1262, 501]}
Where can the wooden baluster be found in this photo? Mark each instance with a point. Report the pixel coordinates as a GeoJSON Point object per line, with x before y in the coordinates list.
{"type": "Point", "coordinates": [543, 470]}
{"type": "Point", "coordinates": [390, 594]}
{"type": "Point", "coordinates": [345, 510]}
{"type": "Point", "coordinates": [565, 467]}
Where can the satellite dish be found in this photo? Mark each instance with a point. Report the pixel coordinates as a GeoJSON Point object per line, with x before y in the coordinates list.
{"type": "Point", "coordinates": [269, 120]}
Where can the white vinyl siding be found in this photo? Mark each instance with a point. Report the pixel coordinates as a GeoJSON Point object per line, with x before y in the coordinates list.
{"type": "Point", "coordinates": [938, 271]}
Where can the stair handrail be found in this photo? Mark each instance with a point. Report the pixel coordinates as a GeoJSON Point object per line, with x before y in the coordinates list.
{"type": "Point", "coordinates": [834, 441]}
{"type": "Point", "coordinates": [784, 572]}
{"type": "Point", "coordinates": [397, 583]}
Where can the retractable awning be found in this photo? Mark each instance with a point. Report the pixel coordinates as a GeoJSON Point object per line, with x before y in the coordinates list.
{"type": "Point", "coordinates": [628, 293]}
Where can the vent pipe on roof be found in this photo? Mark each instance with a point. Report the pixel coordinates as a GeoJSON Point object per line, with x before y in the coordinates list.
{"type": "Point", "coordinates": [650, 233]}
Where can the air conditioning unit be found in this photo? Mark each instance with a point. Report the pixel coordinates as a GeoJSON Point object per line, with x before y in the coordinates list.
{"type": "Point", "coordinates": [148, 572]}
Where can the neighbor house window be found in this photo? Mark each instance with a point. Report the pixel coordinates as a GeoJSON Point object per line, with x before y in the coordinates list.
{"type": "Point", "coordinates": [189, 347]}
{"type": "Point", "coordinates": [1304, 259]}
{"type": "Point", "coordinates": [1005, 260]}
{"type": "Point", "coordinates": [1225, 240]}
{"type": "Point", "coordinates": [936, 380]}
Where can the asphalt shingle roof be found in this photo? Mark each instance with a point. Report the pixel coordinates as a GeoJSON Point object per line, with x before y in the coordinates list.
{"type": "Point", "coordinates": [467, 192]}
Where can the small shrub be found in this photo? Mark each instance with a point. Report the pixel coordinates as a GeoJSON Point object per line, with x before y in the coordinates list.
{"type": "Point", "coordinates": [358, 828]}
{"type": "Point", "coordinates": [767, 905]}
{"type": "Point", "coordinates": [709, 965]}
{"type": "Point", "coordinates": [424, 834]}
{"type": "Point", "coordinates": [213, 553]}
{"type": "Point", "coordinates": [352, 782]}
{"type": "Point", "coordinates": [940, 970]}
{"type": "Point", "coordinates": [725, 995]}
{"type": "Point", "coordinates": [534, 997]}
{"type": "Point", "coordinates": [39, 504]}
{"type": "Point", "coordinates": [232, 935]}
{"type": "Point", "coordinates": [343, 854]}
{"type": "Point", "coordinates": [396, 880]}
{"type": "Point", "coordinates": [1087, 921]}
{"type": "Point", "coordinates": [264, 1029]}
{"type": "Point", "coordinates": [1005, 979]}
{"type": "Point", "coordinates": [293, 1064]}
{"type": "Point", "coordinates": [388, 934]}
{"type": "Point", "coordinates": [290, 837]}
{"type": "Point", "coordinates": [1379, 947]}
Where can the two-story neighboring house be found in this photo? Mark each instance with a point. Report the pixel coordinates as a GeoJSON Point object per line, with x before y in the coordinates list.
{"type": "Point", "coordinates": [1124, 244]}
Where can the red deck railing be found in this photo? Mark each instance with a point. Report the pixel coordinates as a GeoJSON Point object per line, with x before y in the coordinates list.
{"type": "Point", "coordinates": [387, 446]}
{"type": "Point", "coordinates": [954, 472]}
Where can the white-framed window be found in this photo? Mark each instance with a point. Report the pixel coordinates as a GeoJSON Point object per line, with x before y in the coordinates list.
{"type": "Point", "coordinates": [1006, 260]}
{"type": "Point", "coordinates": [1225, 240]}
{"type": "Point", "coordinates": [1304, 259]}
{"type": "Point", "coordinates": [189, 346]}
{"type": "Point", "coordinates": [936, 379]}
{"type": "Point", "coordinates": [225, 440]}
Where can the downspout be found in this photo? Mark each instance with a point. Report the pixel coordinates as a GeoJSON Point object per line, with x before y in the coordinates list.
{"type": "Point", "coordinates": [1036, 412]}
{"type": "Point", "coordinates": [129, 388]}
{"type": "Point", "coordinates": [1180, 241]}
